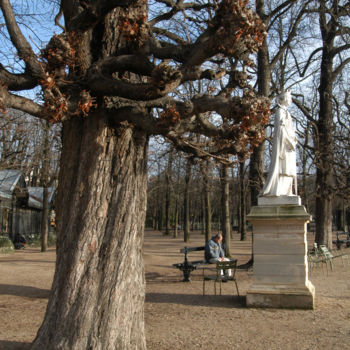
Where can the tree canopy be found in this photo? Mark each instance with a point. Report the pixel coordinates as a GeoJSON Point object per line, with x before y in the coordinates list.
{"type": "Point", "coordinates": [212, 43]}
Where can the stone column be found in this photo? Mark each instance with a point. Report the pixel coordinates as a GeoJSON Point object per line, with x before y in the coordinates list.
{"type": "Point", "coordinates": [280, 278]}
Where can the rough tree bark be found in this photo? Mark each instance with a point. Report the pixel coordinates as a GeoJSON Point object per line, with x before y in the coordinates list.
{"type": "Point", "coordinates": [242, 204]}
{"type": "Point", "coordinates": [99, 270]}
{"type": "Point", "coordinates": [207, 201]}
{"type": "Point", "coordinates": [45, 184]}
{"type": "Point", "coordinates": [159, 202]}
{"type": "Point", "coordinates": [177, 197]}
{"type": "Point", "coordinates": [225, 209]}
{"type": "Point", "coordinates": [187, 201]}
{"type": "Point", "coordinates": [304, 158]}
{"type": "Point", "coordinates": [101, 203]}
{"type": "Point", "coordinates": [325, 129]}
{"type": "Point", "coordinates": [168, 193]}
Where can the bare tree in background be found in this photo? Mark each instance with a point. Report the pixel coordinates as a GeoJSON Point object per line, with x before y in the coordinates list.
{"type": "Point", "coordinates": [333, 51]}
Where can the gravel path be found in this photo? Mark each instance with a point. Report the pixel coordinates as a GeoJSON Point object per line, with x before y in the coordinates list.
{"type": "Point", "coordinates": [177, 315]}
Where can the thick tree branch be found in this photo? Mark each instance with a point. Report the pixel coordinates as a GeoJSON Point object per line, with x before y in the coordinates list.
{"type": "Point", "coordinates": [164, 78]}
{"type": "Point", "coordinates": [102, 85]}
{"type": "Point", "coordinates": [8, 100]}
{"type": "Point", "coordinates": [309, 60]}
{"type": "Point", "coordinates": [136, 64]}
{"type": "Point", "coordinates": [17, 82]}
{"type": "Point", "coordinates": [170, 35]}
{"type": "Point", "coordinates": [339, 49]}
{"type": "Point", "coordinates": [195, 73]}
{"type": "Point", "coordinates": [169, 51]}
{"type": "Point", "coordinates": [205, 153]}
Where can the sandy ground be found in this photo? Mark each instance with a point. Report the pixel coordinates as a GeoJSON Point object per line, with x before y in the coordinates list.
{"type": "Point", "coordinates": [177, 315]}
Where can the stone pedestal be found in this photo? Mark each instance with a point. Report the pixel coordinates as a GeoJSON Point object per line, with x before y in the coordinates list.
{"type": "Point", "coordinates": [280, 278]}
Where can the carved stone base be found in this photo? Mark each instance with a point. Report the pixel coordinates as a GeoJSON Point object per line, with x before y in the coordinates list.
{"type": "Point", "coordinates": [279, 200]}
{"type": "Point", "coordinates": [280, 275]}
{"type": "Point", "coordinates": [289, 298]}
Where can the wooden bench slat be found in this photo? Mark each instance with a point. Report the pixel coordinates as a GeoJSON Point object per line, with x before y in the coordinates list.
{"type": "Point", "coordinates": [191, 249]}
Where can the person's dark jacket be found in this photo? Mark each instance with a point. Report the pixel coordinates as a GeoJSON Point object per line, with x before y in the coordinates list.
{"type": "Point", "coordinates": [213, 250]}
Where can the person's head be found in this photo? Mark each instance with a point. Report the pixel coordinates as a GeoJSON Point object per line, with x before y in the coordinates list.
{"type": "Point", "coordinates": [218, 238]}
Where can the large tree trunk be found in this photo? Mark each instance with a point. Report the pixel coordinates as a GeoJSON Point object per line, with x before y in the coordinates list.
{"type": "Point", "coordinates": [159, 202]}
{"type": "Point", "coordinates": [187, 201]}
{"type": "Point", "coordinates": [44, 184]}
{"type": "Point", "coordinates": [324, 140]}
{"type": "Point", "coordinates": [324, 174]}
{"type": "Point", "coordinates": [324, 208]}
{"type": "Point", "coordinates": [207, 203]}
{"type": "Point", "coordinates": [304, 157]}
{"type": "Point", "coordinates": [225, 209]}
{"type": "Point", "coordinates": [242, 204]}
{"type": "Point", "coordinates": [256, 168]}
{"type": "Point", "coordinates": [177, 196]}
{"type": "Point", "coordinates": [99, 287]}
{"type": "Point", "coordinates": [176, 218]}
{"type": "Point", "coordinates": [168, 193]}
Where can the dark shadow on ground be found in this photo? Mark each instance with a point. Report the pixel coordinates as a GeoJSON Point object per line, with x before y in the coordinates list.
{"type": "Point", "coordinates": [155, 277]}
{"type": "Point", "coordinates": [25, 261]}
{"type": "Point", "coordinates": [14, 345]}
{"type": "Point", "coordinates": [24, 291]}
{"type": "Point", "coordinates": [225, 301]}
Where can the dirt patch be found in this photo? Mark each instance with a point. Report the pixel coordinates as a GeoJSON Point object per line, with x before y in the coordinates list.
{"type": "Point", "coordinates": [177, 315]}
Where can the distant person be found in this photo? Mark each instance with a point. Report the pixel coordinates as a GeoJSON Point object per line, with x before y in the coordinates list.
{"type": "Point", "coordinates": [19, 241]}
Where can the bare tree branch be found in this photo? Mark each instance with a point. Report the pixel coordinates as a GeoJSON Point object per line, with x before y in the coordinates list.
{"type": "Point", "coordinates": [24, 49]}
{"type": "Point", "coordinates": [8, 100]}
{"type": "Point", "coordinates": [17, 82]}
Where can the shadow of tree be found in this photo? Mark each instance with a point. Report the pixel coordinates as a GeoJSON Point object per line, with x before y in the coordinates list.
{"type": "Point", "coordinates": [225, 301]}
{"type": "Point", "coordinates": [14, 345]}
{"type": "Point", "coordinates": [155, 277]}
{"type": "Point", "coordinates": [24, 291]}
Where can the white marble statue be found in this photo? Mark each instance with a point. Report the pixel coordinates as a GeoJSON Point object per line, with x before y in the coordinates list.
{"type": "Point", "coordinates": [282, 172]}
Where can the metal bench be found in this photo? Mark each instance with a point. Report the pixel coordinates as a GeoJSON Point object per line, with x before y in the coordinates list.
{"type": "Point", "coordinates": [342, 238]}
{"type": "Point", "coordinates": [188, 266]}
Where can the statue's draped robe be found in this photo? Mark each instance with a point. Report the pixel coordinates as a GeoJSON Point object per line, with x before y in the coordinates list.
{"type": "Point", "coordinates": [283, 160]}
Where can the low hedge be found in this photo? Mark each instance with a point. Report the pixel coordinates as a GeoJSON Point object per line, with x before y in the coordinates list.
{"type": "Point", "coordinates": [6, 245]}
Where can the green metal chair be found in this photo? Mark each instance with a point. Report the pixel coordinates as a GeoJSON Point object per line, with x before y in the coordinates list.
{"type": "Point", "coordinates": [222, 268]}
{"type": "Point", "coordinates": [331, 255]}
{"type": "Point", "coordinates": [327, 255]}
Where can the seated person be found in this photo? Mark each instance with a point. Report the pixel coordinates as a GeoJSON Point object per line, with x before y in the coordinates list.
{"type": "Point", "coordinates": [214, 251]}
{"type": "Point", "coordinates": [19, 241]}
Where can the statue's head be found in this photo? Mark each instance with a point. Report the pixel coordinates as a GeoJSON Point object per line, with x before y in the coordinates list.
{"type": "Point", "coordinates": [284, 99]}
